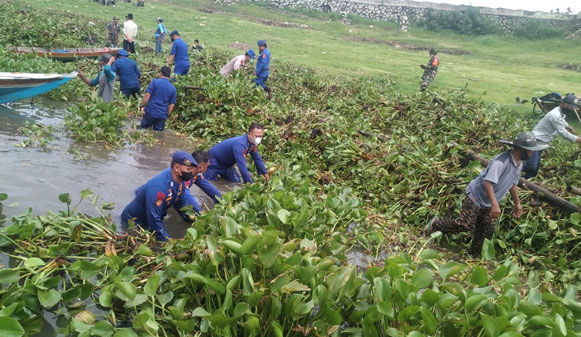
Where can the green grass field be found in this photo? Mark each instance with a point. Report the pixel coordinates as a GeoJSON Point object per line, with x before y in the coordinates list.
{"type": "Point", "coordinates": [497, 67]}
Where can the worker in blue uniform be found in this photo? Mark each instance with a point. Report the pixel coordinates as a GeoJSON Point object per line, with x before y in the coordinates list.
{"type": "Point", "coordinates": [262, 67]}
{"type": "Point", "coordinates": [169, 188]}
{"type": "Point", "coordinates": [232, 151]}
{"type": "Point", "coordinates": [158, 102]}
{"type": "Point", "coordinates": [203, 160]}
{"type": "Point", "coordinates": [128, 73]}
{"type": "Point", "coordinates": [178, 54]}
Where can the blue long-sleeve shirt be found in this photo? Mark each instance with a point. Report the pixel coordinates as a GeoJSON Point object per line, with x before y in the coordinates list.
{"type": "Point", "coordinates": [205, 186]}
{"type": "Point", "coordinates": [152, 201]}
{"type": "Point", "coordinates": [233, 151]}
{"type": "Point", "coordinates": [128, 73]}
{"type": "Point", "coordinates": [263, 63]}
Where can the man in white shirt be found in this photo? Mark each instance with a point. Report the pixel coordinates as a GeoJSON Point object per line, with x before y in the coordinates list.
{"type": "Point", "coordinates": [129, 34]}
{"type": "Point", "coordinates": [237, 62]}
{"type": "Point", "coordinates": [552, 124]}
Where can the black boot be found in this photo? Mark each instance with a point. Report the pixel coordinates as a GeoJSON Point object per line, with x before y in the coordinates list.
{"type": "Point", "coordinates": [269, 92]}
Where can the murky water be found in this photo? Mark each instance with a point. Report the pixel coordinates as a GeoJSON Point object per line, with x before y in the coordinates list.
{"type": "Point", "coordinates": [33, 177]}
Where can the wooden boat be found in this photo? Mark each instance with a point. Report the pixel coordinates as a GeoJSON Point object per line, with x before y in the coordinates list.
{"type": "Point", "coordinates": [67, 54]}
{"type": "Point", "coordinates": [17, 86]}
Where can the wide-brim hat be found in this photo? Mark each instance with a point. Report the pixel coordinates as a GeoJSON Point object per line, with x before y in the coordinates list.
{"type": "Point", "coordinates": [527, 141]}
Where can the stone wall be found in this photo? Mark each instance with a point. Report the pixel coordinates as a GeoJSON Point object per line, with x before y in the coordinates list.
{"type": "Point", "coordinates": [405, 12]}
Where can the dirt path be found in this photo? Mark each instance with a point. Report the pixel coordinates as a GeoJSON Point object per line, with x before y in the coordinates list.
{"type": "Point", "coordinates": [397, 44]}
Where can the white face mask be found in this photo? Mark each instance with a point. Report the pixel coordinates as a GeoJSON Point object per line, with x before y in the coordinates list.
{"type": "Point", "coordinates": [257, 140]}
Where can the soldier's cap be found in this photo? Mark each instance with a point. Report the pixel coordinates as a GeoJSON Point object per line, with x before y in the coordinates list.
{"type": "Point", "coordinates": [251, 53]}
{"type": "Point", "coordinates": [174, 32]}
{"type": "Point", "coordinates": [122, 52]}
{"type": "Point", "coordinates": [527, 141]}
{"type": "Point", "coordinates": [184, 158]}
{"type": "Point", "coordinates": [104, 58]}
{"type": "Point", "coordinates": [572, 101]}
{"type": "Point", "coordinates": [115, 17]}
{"type": "Point", "coordinates": [261, 43]}
{"type": "Point", "coordinates": [433, 51]}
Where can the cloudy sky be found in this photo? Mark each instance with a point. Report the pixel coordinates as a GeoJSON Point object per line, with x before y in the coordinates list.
{"type": "Point", "coordinates": [533, 5]}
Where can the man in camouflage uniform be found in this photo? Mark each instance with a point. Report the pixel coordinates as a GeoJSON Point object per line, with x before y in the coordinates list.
{"type": "Point", "coordinates": [430, 69]}
{"type": "Point", "coordinates": [480, 208]}
{"type": "Point", "coordinates": [113, 33]}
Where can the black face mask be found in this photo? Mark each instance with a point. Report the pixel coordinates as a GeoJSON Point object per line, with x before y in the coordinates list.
{"type": "Point", "coordinates": [172, 39]}
{"type": "Point", "coordinates": [524, 154]}
{"type": "Point", "coordinates": [186, 176]}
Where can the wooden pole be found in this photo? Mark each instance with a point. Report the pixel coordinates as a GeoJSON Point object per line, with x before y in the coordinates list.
{"type": "Point", "coordinates": [573, 190]}
{"type": "Point", "coordinates": [541, 192]}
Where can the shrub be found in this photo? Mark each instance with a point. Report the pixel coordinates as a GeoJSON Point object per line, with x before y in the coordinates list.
{"type": "Point", "coordinates": [535, 30]}
{"type": "Point", "coordinates": [469, 22]}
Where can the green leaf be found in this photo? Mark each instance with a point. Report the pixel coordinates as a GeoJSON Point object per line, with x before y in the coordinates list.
{"type": "Point", "coordinates": [143, 250]}
{"type": "Point", "coordinates": [106, 299]}
{"type": "Point", "coordinates": [9, 327]}
{"type": "Point", "coordinates": [165, 298]}
{"type": "Point", "coordinates": [430, 323]}
{"type": "Point", "coordinates": [447, 300]}
{"type": "Point", "coordinates": [511, 334]}
{"type": "Point", "coordinates": [127, 288]}
{"type": "Point", "coordinates": [152, 285]}
{"type": "Point", "coordinates": [80, 326]}
{"type": "Point", "coordinates": [65, 198]}
{"type": "Point", "coordinates": [422, 278]}
{"type": "Point", "coordinates": [488, 252]}
{"type": "Point", "coordinates": [32, 262]}
{"type": "Point", "coordinates": [479, 276]}
{"type": "Point", "coordinates": [283, 216]}
{"type": "Point", "coordinates": [451, 268]}
{"type": "Point", "coordinates": [474, 302]}
{"type": "Point", "coordinates": [102, 329]}
{"type": "Point", "coordinates": [200, 312]}
{"type": "Point", "coordinates": [560, 324]}
{"type": "Point", "coordinates": [500, 272]}
{"type": "Point", "coordinates": [490, 327]}
{"type": "Point", "coordinates": [277, 329]}
{"type": "Point", "coordinates": [48, 298]}
{"type": "Point", "coordinates": [125, 332]}
{"type": "Point", "coordinates": [3, 196]}
{"type": "Point", "coordinates": [9, 276]}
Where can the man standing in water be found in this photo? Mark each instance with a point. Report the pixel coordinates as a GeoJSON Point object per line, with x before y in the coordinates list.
{"type": "Point", "coordinates": [232, 151]}
{"type": "Point", "coordinates": [158, 102]}
{"type": "Point", "coordinates": [263, 67]}
{"type": "Point", "coordinates": [430, 69]}
{"type": "Point", "coordinates": [178, 54]}
{"type": "Point", "coordinates": [113, 33]}
{"type": "Point", "coordinates": [169, 188]}
{"type": "Point", "coordinates": [105, 78]}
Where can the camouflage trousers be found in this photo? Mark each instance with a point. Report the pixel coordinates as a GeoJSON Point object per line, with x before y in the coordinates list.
{"type": "Point", "coordinates": [472, 219]}
{"type": "Point", "coordinates": [427, 78]}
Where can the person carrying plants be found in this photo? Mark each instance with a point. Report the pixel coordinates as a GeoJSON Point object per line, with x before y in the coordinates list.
{"type": "Point", "coordinates": [480, 208]}
{"type": "Point", "coordinates": [232, 151]}
{"type": "Point", "coordinates": [129, 34]}
{"type": "Point", "coordinates": [158, 102]}
{"type": "Point", "coordinates": [105, 78]}
{"type": "Point", "coordinates": [237, 62]}
{"type": "Point", "coordinates": [262, 67]}
{"type": "Point", "coordinates": [178, 54]}
{"type": "Point", "coordinates": [430, 69]}
{"type": "Point", "coordinates": [552, 124]}
{"type": "Point", "coordinates": [169, 188]}
{"type": "Point", "coordinates": [113, 33]}
{"type": "Point", "coordinates": [160, 34]}
{"type": "Point", "coordinates": [203, 160]}
{"type": "Point", "coordinates": [128, 73]}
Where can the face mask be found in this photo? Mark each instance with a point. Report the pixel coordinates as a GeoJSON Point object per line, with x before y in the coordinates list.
{"type": "Point", "coordinates": [524, 155]}
{"type": "Point", "coordinates": [257, 140]}
{"type": "Point", "coordinates": [186, 176]}
{"type": "Point", "coordinates": [172, 39]}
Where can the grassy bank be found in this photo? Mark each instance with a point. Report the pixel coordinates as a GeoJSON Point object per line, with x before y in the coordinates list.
{"type": "Point", "coordinates": [501, 67]}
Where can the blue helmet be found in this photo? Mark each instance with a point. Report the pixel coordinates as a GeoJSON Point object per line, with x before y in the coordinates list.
{"type": "Point", "coordinates": [261, 43]}
{"type": "Point", "coordinates": [250, 53]}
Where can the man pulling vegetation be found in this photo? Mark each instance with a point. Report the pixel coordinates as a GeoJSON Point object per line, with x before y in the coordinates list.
{"type": "Point", "coordinates": [430, 69]}
{"type": "Point", "coordinates": [237, 62]}
{"type": "Point", "coordinates": [263, 67]}
{"type": "Point", "coordinates": [158, 102]}
{"type": "Point", "coordinates": [232, 151]}
{"type": "Point", "coordinates": [203, 160]}
{"type": "Point", "coordinates": [128, 73]}
{"type": "Point", "coordinates": [552, 124]}
{"type": "Point", "coordinates": [179, 54]}
{"type": "Point", "coordinates": [169, 188]}
{"type": "Point", "coordinates": [105, 78]}
{"type": "Point", "coordinates": [480, 208]}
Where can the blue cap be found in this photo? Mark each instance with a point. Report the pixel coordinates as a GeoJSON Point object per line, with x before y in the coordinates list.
{"type": "Point", "coordinates": [250, 53]}
{"type": "Point", "coordinates": [184, 158]}
{"type": "Point", "coordinates": [174, 32]}
{"type": "Point", "coordinates": [122, 52]}
{"type": "Point", "coordinates": [261, 43]}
